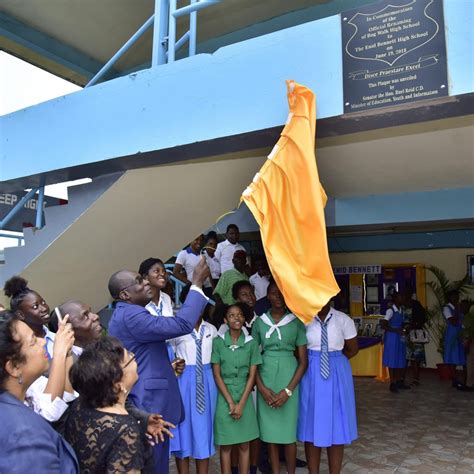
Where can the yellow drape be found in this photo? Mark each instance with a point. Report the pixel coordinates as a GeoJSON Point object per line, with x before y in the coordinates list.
{"type": "Point", "coordinates": [287, 201]}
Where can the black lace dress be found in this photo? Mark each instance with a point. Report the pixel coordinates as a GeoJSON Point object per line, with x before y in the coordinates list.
{"type": "Point", "coordinates": [106, 442]}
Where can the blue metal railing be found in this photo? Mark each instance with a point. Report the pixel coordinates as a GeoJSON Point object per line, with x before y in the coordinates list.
{"type": "Point", "coordinates": [165, 43]}
{"type": "Point", "coordinates": [178, 285]}
{"type": "Point", "coordinates": [19, 206]}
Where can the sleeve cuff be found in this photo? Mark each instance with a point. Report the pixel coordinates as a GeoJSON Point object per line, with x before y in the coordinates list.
{"type": "Point", "coordinates": [199, 290]}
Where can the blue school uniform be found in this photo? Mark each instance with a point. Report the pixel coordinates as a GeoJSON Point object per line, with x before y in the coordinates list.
{"type": "Point", "coordinates": [453, 350]}
{"type": "Point", "coordinates": [394, 349]}
{"type": "Point", "coordinates": [194, 436]}
{"type": "Point", "coordinates": [327, 411]}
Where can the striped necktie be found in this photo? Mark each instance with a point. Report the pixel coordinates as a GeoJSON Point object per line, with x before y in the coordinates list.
{"type": "Point", "coordinates": [324, 368]}
{"type": "Point", "coordinates": [158, 309]}
{"type": "Point", "coordinates": [200, 398]}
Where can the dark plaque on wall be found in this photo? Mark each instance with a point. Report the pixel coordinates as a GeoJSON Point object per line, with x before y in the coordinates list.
{"type": "Point", "coordinates": [393, 52]}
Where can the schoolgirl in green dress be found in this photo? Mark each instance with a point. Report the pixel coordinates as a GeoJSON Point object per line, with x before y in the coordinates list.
{"type": "Point", "coordinates": [279, 334]}
{"type": "Point", "coordinates": [235, 357]}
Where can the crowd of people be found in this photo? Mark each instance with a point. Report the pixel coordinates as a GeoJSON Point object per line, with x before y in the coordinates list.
{"type": "Point", "coordinates": [405, 337]}
{"type": "Point", "coordinates": [161, 381]}
{"type": "Point", "coordinates": [245, 374]}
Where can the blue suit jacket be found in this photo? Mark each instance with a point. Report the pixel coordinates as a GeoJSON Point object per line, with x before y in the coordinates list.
{"type": "Point", "coordinates": [28, 443]}
{"type": "Point", "coordinates": [156, 390]}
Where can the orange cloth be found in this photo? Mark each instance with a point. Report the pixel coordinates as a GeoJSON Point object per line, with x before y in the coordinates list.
{"type": "Point", "coordinates": [287, 201]}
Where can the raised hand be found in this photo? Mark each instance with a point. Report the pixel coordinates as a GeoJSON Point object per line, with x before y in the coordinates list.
{"type": "Point", "coordinates": [157, 428]}
{"type": "Point", "coordinates": [201, 272]}
{"type": "Point", "coordinates": [64, 339]}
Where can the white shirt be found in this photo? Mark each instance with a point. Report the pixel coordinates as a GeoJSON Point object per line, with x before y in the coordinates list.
{"type": "Point", "coordinates": [41, 402]}
{"type": "Point", "coordinates": [260, 285]}
{"type": "Point", "coordinates": [214, 266]}
{"type": "Point", "coordinates": [77, 351]}
{"type": "Point", "coordinates": [448, 311]}
{"type": "Point", "coordinates": [225, 253]}
{"type": "Point", "coordinates": [164, 302]}
{"type": "Point", "coordinates": [189, 261]}
{"type": "Point", "coordinates": [185, 346]}
{"type": "Point", "coordinates": [49, 336]}
{"type": "Point", "coordinates": [340, 328]}
{"type": "Point", "coordinates": [390, 311]}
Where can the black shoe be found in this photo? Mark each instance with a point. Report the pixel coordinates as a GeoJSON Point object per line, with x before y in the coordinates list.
{"type": "Point", "coordinates": [393, 388]}
{"type": "Point", "coordinates": [464, 388]}
{"type": "Point", "coordinates": [401, 385]}
{"type": "Point", "coordinates": [301, 463]}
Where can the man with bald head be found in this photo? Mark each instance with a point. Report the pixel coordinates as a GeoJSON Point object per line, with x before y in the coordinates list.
{"type": "Point", "coordinates": [145, 335]}
{"type": "Point", "coordinates": [85, 324]}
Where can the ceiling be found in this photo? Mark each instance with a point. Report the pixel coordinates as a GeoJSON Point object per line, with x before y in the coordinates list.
{"type": "Point", "coordinates": [95, 30]}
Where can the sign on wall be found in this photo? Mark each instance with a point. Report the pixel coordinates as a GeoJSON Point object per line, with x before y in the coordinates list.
{"type": "Point", "coordinates": [27, 216]}
{"type": "Point", "coordinates": [393, 52]}
{"type": "Point", "coordinates": [356, 269]}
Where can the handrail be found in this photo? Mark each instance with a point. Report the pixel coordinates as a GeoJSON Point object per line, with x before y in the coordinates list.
{"type": "Point", "coordinates": [18, 206]}
{"type": "Point", "coordinates": [179, 285]}
{"type": "Point", "coordinates": [122, 50]}
{"type": "Point", "coordinates": [165, 43]}
{"type": "Point", "coordinates": [19, 238]}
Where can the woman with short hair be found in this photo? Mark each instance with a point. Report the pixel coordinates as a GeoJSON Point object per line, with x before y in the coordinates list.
{"type": "Point", "coordinates": [105, 437]}
{"type": "Point", "coordinates": [28, 442]}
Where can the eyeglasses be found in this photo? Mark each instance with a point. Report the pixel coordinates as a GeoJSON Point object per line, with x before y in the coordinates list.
{"type": "Point", "coordinates": [132, 358]}
{"type": "Point", "coordinates": [138, 281]}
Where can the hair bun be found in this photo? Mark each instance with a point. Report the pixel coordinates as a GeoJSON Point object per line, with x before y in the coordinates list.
{"type": "Point", "coordinates": [14, 286]}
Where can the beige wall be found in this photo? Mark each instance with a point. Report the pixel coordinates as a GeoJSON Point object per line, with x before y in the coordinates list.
{"type": "Point", "coordinates": [452, 261]}
{"type": "Point", "coordinates": [149, 212]}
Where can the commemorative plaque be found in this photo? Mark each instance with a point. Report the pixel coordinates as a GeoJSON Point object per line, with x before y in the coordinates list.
{"type": "Point", "coordinates": [393, 52]}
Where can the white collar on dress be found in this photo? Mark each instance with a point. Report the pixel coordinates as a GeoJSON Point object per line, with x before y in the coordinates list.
{"type": "Point", "coordinates": [224, 328]}
{"type": "Point", "coordinates": [276, 327]}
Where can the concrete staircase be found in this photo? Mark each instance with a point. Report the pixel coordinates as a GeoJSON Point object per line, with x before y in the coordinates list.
{"type": "Point", "coordinates": [57, 220]}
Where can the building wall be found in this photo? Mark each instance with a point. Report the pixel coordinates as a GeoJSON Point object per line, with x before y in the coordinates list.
{"type": "Point", "coordinates": [452, 261]}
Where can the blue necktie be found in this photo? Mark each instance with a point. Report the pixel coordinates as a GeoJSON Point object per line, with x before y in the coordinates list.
{"type": "Point", "coordinates": [200, 398]}
{"type": "Point", "coordinates": [325, 371]}
{"type": "Point", "coordinates": [158, 309]}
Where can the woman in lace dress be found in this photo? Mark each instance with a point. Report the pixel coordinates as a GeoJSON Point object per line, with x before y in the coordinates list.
{"type": "Point", "coordinates": [105, 437]}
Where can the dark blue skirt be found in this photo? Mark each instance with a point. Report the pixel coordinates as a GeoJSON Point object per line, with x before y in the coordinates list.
{"type": "Point", "coordinates": [453, 347]}
{"type": "Point", "coordinates": [327, 411]}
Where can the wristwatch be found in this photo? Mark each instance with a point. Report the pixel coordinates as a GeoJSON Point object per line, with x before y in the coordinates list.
{"type": "Point", "coordinates": [288, 392]}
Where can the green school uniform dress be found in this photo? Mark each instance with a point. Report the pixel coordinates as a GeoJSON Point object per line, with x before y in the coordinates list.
{"type": "Point", "coordinates": [235, 361]}
{"type": "Point", "coordinates": [278, 343]}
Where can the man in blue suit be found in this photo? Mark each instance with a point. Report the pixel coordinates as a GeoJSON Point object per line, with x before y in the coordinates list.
{"type": "Point", "coordinates": [145, 335]}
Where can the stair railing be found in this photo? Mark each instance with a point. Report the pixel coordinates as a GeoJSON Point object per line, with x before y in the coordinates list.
{"type": "Point", "coordinates": [165, 43]}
